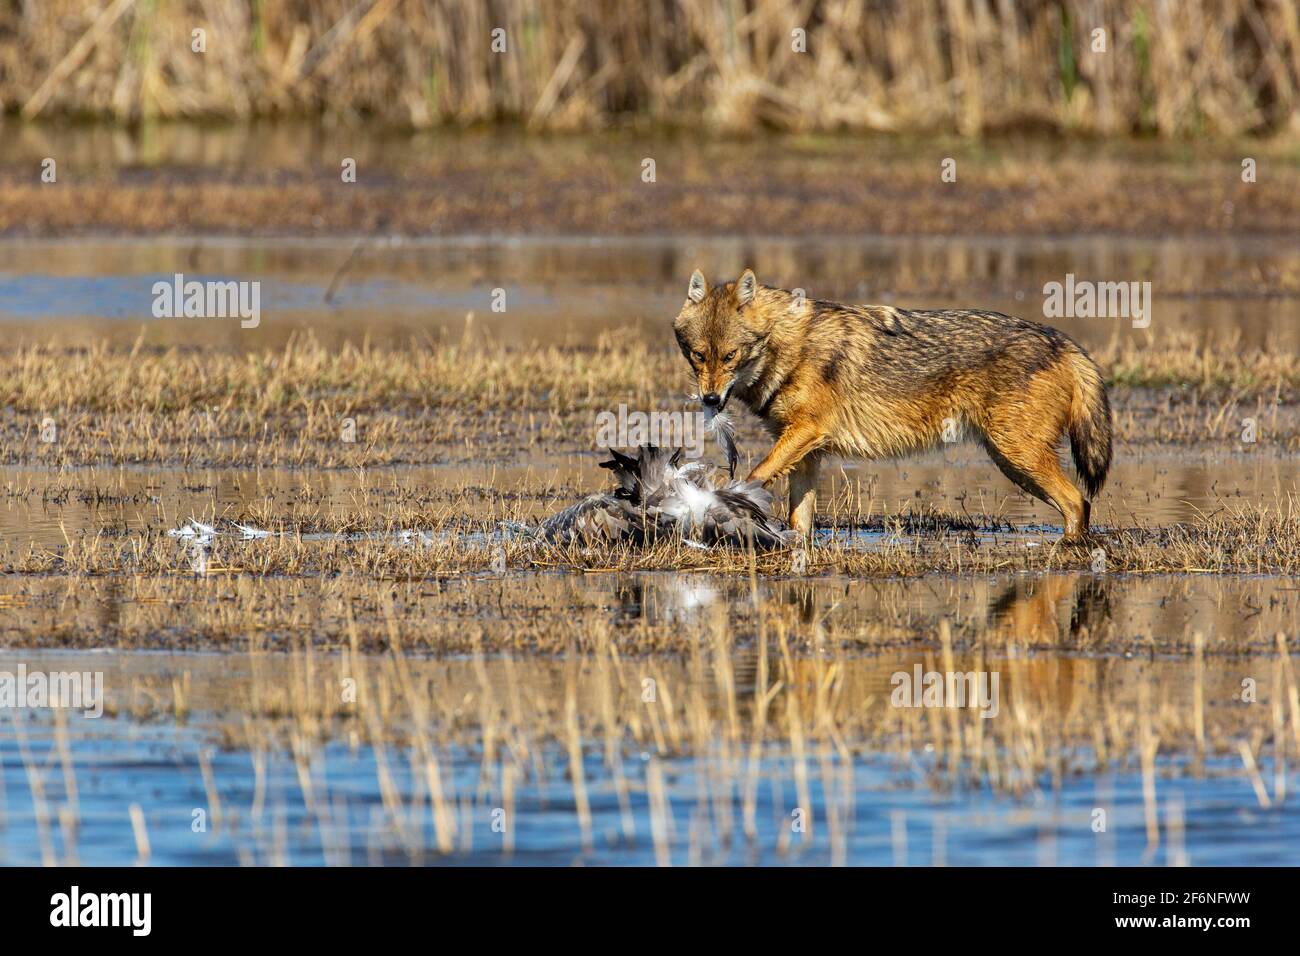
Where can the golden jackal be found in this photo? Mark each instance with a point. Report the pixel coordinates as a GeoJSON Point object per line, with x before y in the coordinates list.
{"type": "Point", "coordinates": [876, 382]}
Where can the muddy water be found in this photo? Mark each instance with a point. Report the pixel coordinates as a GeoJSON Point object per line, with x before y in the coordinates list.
{"type": "Point", "coordinates": [570, 290]}
{"type": "Point", "coordinates": [43, 510]}
{"type": "Point", "coordinates": [39, 507]}
{"type": "Point", "coordinates": [1068, 612]}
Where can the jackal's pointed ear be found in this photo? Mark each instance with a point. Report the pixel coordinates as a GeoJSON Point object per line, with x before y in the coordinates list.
{"type": "Point", "coordinates": [698, 288]}
{"type": "Point", "coordinates": [746, 286]}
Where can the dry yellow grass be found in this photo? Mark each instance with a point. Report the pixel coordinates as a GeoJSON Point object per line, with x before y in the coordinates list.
{"type": "Point", "coordinates": [447, 402]}
{"type": "Point", "coordinates": [1182, 68]}
{"type": "Point", "coordinates": [383, 537]}
{"type": "Point", "coordinates": [439, 402]}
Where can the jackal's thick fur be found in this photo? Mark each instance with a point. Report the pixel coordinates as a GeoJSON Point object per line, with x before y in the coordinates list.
{"type": "Point", "coordinates": [875, 382]}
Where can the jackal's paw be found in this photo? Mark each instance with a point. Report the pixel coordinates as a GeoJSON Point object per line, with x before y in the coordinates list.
{"type": "Point", "coordinates": [1081, 541]}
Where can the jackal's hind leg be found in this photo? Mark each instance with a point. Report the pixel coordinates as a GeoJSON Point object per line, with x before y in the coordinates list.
{"type": "Point", "coordinates": [1039, 473]}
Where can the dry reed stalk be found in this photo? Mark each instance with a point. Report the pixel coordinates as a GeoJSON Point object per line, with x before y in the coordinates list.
{"type": "Point", "coordinates": [141, 832]}
{"type": "Point", "coordinates": [1180, 69]}
{"type": "Point", "coordinates": [898, 836]}
{"type": "Point", "coordinates": [660, 813]}
{"type": "Point", "coordinates": [1198, 691]}
{"type": "Point", "coordinates": [210, 790]}
{"type": "Point", "coordinates": [1279, 731]}
{"type": "Point", "coordinates": [1252, 770]}
{"type": "Point", "coordinates": [1292, 690]}
{"type": "Point", "coordinates": [577, 775]}
{"type": "Point", "coordinates": [1148, 745]}
{"type": "Point", "coordinates": [36, 785]}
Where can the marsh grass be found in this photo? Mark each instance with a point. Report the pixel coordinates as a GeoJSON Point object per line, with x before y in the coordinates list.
{"type": "Point", "coordinates": [412, 544]}
{"type": "Point", "coordinates": [1171, 69]}
{"type": "Point", "coordinates": [440, 402]}
{"type": "Point", "coordinates": [480, 402]}
{"type": "Point", "coordinates": [443, 581]}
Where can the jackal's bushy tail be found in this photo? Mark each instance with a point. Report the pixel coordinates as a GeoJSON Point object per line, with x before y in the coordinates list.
{"type": "Point", "coordinates": [1089, 424]}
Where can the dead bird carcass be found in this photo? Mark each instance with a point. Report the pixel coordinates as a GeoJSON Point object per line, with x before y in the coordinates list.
{"type": "Point", "coordinates": [659, 496]}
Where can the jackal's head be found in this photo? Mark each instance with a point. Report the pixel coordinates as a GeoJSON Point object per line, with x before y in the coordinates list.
{"type": "Point", "coordinates": [722, 335]}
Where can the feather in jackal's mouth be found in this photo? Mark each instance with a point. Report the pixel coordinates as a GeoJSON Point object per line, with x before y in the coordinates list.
{"type": "Point", "coordinates": [722, 399]}
{"type": "Point", "coordinates": [722, 428]}
{"type": "Point", "coordinates": [726, 396]}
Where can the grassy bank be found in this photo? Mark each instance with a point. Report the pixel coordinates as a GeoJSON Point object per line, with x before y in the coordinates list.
{"type": "Point", "coordinates": [1173, 69]}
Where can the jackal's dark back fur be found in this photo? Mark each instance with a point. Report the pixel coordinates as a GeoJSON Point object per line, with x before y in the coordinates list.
{"type": "Point", "coordinates": [921, 352]}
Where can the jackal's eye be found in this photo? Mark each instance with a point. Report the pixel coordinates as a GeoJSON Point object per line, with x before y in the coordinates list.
{"type": "Point", "coordinates": [729, 356]}
{"type": "Point", "coordinates": [698, 356]}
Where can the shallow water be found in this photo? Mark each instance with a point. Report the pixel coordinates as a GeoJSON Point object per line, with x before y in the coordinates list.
{"type": "Point", "coordinates": [570, 290]}
{"type": "Point", "coordinates": [44, 510]}
{"type": "Point", "coordinates": [69, 783]}
{"type": "Point", "coordinates": [39, 506]}
{"type": "Point", "coordinates": [1070, 612]}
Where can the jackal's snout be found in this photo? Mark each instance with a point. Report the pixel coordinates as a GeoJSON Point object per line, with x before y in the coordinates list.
{"type": "Point", "coordinates": [715, 386]}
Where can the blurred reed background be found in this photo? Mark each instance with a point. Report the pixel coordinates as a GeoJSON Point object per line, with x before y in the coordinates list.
{"type": "Point", "coordinates": [1178, 68]}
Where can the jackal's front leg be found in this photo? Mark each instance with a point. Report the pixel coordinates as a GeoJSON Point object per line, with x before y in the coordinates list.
{"type": "Point", "coordinates": [803, 494]}
{"type": "Point", "coordinates": [795, 442]}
